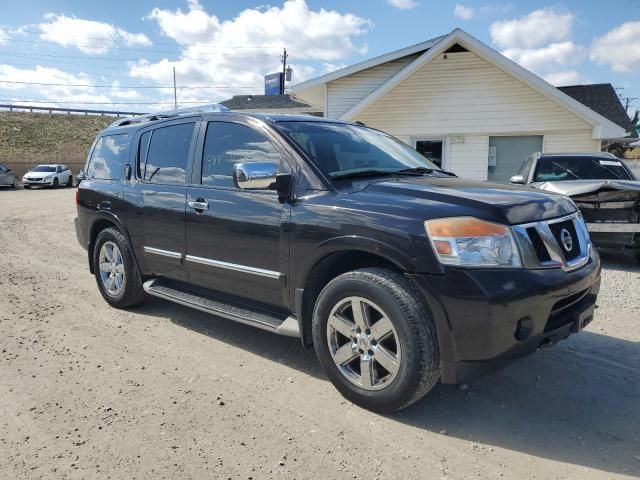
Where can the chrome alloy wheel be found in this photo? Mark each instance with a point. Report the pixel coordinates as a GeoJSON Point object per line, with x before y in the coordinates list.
{"type": "Point", "coordinates": [111, 268]}
{"type": "Point", "coordinates": [363, 343]}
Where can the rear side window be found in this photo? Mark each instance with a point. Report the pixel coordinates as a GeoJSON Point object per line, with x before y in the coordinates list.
{"type": "Point", "coordinates": [229, 143]}
{"type": "Point", "coordinates": [168, 154]}
{"type": "Point", "coordinates": [108, 157]}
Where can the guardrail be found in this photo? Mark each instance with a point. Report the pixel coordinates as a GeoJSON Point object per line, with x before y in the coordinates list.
{"type": "Point", "coordinates": [67, 111]}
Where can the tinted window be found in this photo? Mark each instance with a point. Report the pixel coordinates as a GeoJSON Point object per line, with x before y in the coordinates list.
{"type": "Point", "coordinates": [168, 154]}
{"type": "Point", "coordinates": [108, 158]}
{"type": "Point", "coordinates": [340, 149]}
{"type": "Point", "coordinates": [44, 168]}
{"type": "Point", "coordinates": [229, 143]}
{"type": "Point", "coordinates": [554, 169]}
{"type": "Point", "coordinates": [143, 148]}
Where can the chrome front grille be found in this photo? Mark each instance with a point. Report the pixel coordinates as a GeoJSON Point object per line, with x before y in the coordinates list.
{"type": "Point", "coordinates": [558, 243]}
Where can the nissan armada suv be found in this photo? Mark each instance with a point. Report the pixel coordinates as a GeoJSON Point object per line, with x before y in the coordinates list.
{"type": "Point", "coordinates": [398, 273]}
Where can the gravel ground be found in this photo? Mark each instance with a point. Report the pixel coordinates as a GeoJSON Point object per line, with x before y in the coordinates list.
{"type": "Point", "coordinates": [162, 391]}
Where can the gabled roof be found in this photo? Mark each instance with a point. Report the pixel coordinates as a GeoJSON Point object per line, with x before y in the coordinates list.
{"type": "Point", "coordinates": [372, 62]}
{"type": "Point", "coordinates": [602, 126]}
{"type": "Point", "coordinates": [265, 102]}
{"type": "Point", "coordinates": [602, 98]}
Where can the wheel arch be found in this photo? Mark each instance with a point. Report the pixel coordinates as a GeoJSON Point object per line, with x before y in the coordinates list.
{"type": "Point", "coordinates": [335, 258]}
{"type": "Point", "coordinates": [102, 221]}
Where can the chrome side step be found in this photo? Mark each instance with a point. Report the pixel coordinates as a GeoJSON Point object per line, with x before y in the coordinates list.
{"type": "Point", "coordinates": [265, 320]}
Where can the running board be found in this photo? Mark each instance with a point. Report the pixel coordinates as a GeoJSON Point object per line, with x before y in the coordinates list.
{"type": "Point", "coordinates": [216, 306]}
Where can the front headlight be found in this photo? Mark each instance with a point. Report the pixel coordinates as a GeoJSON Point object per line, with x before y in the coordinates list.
{"type": "Point", "coordinates": [471, 242]}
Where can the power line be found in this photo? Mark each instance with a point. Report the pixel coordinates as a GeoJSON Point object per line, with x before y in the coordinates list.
{"type": "Point", "coordinates": [67, 102]}
{"type": "Point", "coordinates": [116, 39]}
{"type": "Point", "coordinates": [120, 59]}
{"type": "Point", "coordinates": [133, 87]}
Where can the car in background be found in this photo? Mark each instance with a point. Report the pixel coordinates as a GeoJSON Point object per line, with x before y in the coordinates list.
{"type": "Point", "coordinates": [53, 175]}
{"type": "Point", "coordinates": [8, 177]}
{"type": "Point", "coordinates": [603, 187]}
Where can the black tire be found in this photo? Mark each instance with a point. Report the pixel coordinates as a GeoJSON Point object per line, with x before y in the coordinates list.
{"type": "Point", "coordinates": [27, 186]}
{"type": "Point", "coordinates": [70, 181]}
{"type": "Point", "coordinates": [419, 369]}
{"type": "Point", "coordinates": [55, 182]}
{"type": "Point", "coordinates": [132, 292]}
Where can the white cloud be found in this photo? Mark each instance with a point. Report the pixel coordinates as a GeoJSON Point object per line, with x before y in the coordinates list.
{"type": "Point", "coordinates": [463, 12]}
{"type": "Point", "coordinates": [536, 29]}
{"type": "Point", "coordinates": [566, 77]}
{"type": "Point", "coordinates": [619, 48]}
{"type": "Point", "coordinates": [89, 36]}
{"type": "Point", "coordinates": [403, 4]}
{"type": "Point", "coordinates": [554, 54]}
{"type": "Point", "coordinates": [239, 51]}
{"type": "Point", "coordinates": [541, 41]}
{"type": "Point", "coordinates": [3, 37]}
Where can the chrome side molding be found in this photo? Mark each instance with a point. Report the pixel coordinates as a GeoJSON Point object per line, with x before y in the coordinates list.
{"type": "Point", "coordinates": [235, 267]}
{"type": "Point", "coordinates": [163, 253]}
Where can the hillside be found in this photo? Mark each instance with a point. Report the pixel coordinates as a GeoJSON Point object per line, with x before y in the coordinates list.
{"type": "Point", "coordinates": [30, 138]}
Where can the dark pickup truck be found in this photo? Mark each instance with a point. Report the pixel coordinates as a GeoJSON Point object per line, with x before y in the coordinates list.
{"type": "Point", "coordinates": [399, 274]}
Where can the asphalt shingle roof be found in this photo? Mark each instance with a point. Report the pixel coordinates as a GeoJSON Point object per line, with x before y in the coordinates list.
{"type": "Point", "coordinates": [602, 98]}
{"type": "Point", "coordinates": [264, 102]}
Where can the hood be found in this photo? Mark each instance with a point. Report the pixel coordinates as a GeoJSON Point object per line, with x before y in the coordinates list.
{"type": "Point", "coordinates": [581, 187]}
{"type": "Point", "coordinates": [512, 204]}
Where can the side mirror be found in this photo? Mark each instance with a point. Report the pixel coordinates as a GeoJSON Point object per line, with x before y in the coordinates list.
{"type": "Point", "coordinates": [517, 179]}
{"type": "Point", "coordinates": [255, 176]}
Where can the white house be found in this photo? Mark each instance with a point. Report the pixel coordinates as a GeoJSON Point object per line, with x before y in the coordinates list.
{"type": "Point", "coordinates": [466, 105]}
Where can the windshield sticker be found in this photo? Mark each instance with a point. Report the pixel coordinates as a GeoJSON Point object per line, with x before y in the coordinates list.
{"type": "Point", "coordinates": [611, 163]}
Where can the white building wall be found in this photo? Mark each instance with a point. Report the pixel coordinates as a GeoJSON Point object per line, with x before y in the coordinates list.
{"type": "Point", "coordinates": [465, 97]}
{"type": "Point", "coordinates": [344, 93]}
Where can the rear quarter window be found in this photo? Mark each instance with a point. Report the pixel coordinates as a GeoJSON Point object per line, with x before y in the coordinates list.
{"type": "Point", "coordinates": [109, 157]}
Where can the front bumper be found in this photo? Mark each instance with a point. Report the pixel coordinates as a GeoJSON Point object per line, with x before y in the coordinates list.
{"type": "Point", "coordinates": [43, 182]}
{"type": "Point", "coordinates": [488, 318]}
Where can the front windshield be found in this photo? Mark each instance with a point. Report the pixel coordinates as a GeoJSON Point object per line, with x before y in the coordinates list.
{"type": "Point", "coordinates": [555, 169]}
{"type": "Point", "coordinates": [342, 150]}
{"type": "Point", "coordinates": [44, 168]}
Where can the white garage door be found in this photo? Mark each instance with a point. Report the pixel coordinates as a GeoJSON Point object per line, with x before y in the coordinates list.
{"type": "Point", "coordinates": [506, 154]}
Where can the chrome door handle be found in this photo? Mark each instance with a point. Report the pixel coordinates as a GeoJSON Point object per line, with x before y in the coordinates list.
{"type": "Point", "coordinates": [199, 205]}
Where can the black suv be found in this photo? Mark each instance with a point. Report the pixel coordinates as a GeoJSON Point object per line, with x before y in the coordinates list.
{"type": "Point", "coordinates": [398, 273]}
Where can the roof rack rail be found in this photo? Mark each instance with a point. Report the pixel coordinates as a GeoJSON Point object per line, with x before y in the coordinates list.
{"type": "Point", "coordinates": [212, 107]}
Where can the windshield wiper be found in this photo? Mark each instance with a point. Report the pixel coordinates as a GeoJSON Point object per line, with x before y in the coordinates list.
{"type": "Point", "coordinates": [415, 170]}
{"type": "Point", "coordinates": [361, 173]}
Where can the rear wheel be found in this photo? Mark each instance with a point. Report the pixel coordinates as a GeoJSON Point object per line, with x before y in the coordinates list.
{"type": "Point", "coordinates": [116, 271]}
{"type": "Point", "coordinates": [376, 340]}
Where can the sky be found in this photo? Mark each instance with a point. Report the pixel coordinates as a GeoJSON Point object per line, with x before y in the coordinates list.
{"type": "Point", "coordinates": [120, 55]}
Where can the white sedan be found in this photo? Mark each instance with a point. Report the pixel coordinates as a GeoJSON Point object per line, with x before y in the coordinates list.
{"type": "Point", "coordinates": [53, 175]}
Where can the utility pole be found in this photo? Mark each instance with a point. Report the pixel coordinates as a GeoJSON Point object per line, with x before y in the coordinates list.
{"type": "Point", "coordinates": [284, 71]}
{"type": "Point", "coordinates": [175, 90]}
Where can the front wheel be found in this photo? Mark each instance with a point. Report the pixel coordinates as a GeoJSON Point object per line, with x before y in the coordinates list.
{"type": "Point", "coordinates": [376, 339]}
{"type": "Point", "coordinates": [55, 182]}
{"type": "Point", "coordinates": [116, 271]}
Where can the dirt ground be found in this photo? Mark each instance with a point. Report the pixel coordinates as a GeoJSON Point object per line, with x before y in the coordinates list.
{"type": "Point", "coordinates": [87, 391]}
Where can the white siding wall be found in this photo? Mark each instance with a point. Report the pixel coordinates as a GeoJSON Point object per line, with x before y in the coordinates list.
{"type": "Point", "coordinates": [465, 96]}
{"type": "Point", "coordinates": [346, 92]}
{"type": "Point", "coordinates": [570, 142]}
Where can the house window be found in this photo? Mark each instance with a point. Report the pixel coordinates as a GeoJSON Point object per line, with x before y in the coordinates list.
{"type": "Point", "coordinates": [432, 149]}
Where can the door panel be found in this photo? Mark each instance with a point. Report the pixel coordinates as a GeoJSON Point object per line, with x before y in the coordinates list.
{"type": "Point", "coordinates": [237, 244]}
{"type": "Point", "coordinates": [157, 197]}
{"type": "Point", "coordinates": [510, 153]}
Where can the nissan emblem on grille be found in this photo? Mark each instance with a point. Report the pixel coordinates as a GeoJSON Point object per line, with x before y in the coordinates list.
{"type": "Point", "coordinates": [565, 238]}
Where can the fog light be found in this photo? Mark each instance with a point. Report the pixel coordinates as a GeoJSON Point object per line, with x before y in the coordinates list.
{"type": "Point", "coordinates": [523, 330]}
